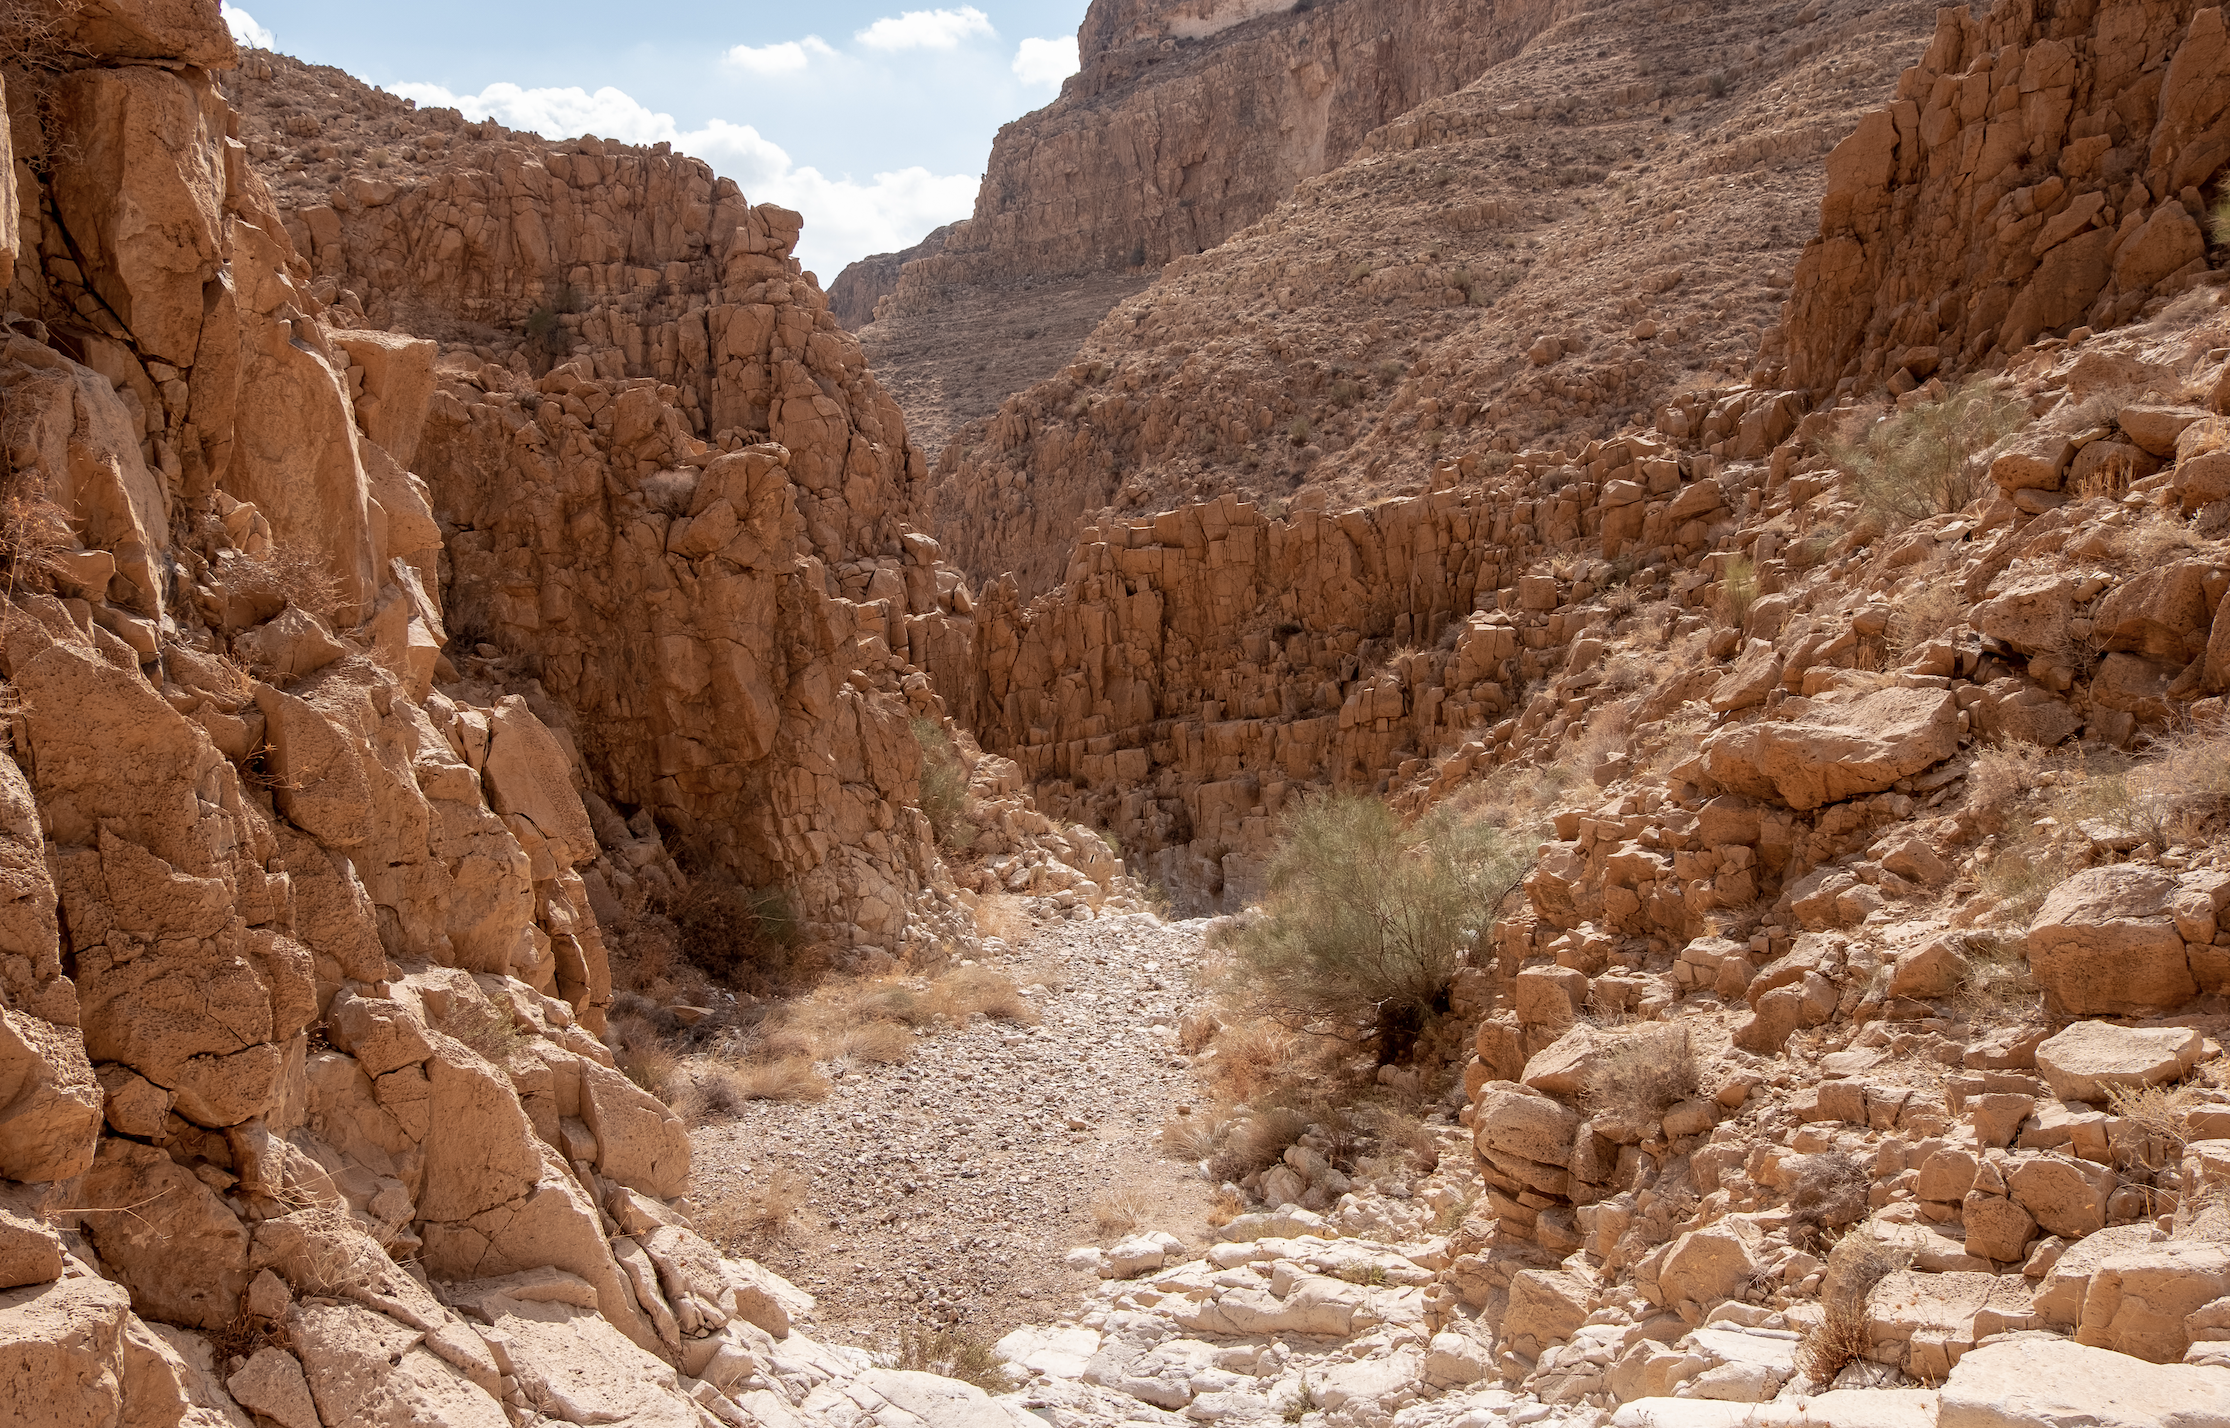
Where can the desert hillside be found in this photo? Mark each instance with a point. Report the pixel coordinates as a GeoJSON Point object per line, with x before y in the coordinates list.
{"type": "Point", "coordinates": [1571, 767]}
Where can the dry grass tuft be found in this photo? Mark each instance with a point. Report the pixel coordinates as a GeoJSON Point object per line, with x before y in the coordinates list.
{"type": "Point", "coordinates": [1642, 1074]}
{"type": "Point", "coordinates": [1224, 1207]}
{"type": "Point", "coordinates": [1194, 1136]}
{"type": "Point", "coordinates": [1120, 1209]}
{"type": "Point", "coordinates": [967, 991]}
{"type": "Point", "coordinates": [1250, 1057]}
{"type": "Point", "coordinates": [747, 1214]}
{"type": "Point", "coordinates": [953, 1354]}
{"type": "Point", "coordinates": [707, 1092]}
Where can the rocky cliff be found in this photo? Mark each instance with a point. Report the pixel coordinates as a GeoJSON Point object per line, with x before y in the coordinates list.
{"type": "Point", "coordinates": [306, 1110]}
{"type": "Point", "coordinates": [1605, 220]}
{"type": "Point", "coordinates": [2037, 172]}
{"type": "Point", "coordinates": [1188, 122]}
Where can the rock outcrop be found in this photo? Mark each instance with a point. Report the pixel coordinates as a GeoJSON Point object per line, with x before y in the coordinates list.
{"type": "Point", "coordinates": [1521, 263]}
{"type": "Point", "coordinates": [2038, 171]}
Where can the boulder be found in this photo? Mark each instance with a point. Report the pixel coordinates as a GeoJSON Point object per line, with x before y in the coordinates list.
{"type": "Point", "coordinates": [1710, 1265]}
{"type": "Point", "coordinates": [2105, 944]}
{"type": "Point", "coordinates": [2034, 461]}
{"type": "Point", "coordinates": [2038, 1382]}
{"type": "Point", "coordinates": [2029, 609]}
{"type": "Point", "coordinates": [62, 1354]}
{"type": "Point", "coordinates": [2139, 1300]}
{"type": "Point", "coordinates": [1546, 1306]}
{"type": "Point", "coordinates": [1524, 1123]}
{"type": "Point", "coordinates": [2060, 1294]}
{"type": "Point", "coordinates": [1836, 751]}
{"type": "Point", "coordinates": [2067, 1197]}
{"type": "Point", "coordinates": [2085, 1061]}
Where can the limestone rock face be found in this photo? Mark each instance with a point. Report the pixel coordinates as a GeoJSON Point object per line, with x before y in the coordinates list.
{"type": "Point", "coordinates": [2032, 1382]}
{"type": "Point", "coordinates": [2106, 943]}
{"type": "Point", "coordinates": [1138, 161]}
{"type": "Point", "coordinates": [1834, 752]}
{"type": "Point", "coordinates": [2081, 159]}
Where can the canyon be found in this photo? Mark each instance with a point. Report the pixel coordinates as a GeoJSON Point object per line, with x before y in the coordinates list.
{"type": "Point", "coordinates": [593, 838]}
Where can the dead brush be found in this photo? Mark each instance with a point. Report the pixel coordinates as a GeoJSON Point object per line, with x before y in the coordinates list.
{"type": "Point", "coordinates": [1120, 1209]}
{"type": "Point", "coordinates": [953, 1353]}
{"type": "Point", "coordinates": [642, 1055]}
{"type": "Point", "coordinates": [1829, 1193]}
{"type": "Point", "coordinates": [969, 991]}
{"type": "Point", "coordinates": [1642, 1074]}
{"type": "Point", "coordinates": [746, 1214]}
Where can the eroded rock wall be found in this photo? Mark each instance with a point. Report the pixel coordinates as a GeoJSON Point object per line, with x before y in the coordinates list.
{"type": "Point", "coordinates": [2043, 167]}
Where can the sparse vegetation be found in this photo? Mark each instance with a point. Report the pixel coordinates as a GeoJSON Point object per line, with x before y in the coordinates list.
{"type": "Point", "coordinates": [1827, 1193]}
{"type": "Point", "coordinates": [1738, 589]}
{"type": "Point", "coordinates": [1995, 983]}
{"type": "Point", "coordinates": [1643, 1073]}
{"type": "Point", "coordinates": [1925, 460]}
{"type": "Point", "coordinates": [944, 786]}
{"type": "Point", "coordinates": [952, 1353]}
{"type": "Point", "coordinates": [741, 1215]}
{"type": "Point", "coordinates": [1368, 919]}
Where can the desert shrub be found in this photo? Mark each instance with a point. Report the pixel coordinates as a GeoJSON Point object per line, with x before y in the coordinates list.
{"type": "Point", "coordinates": [747, 937]}
{"type": "Point", "coordinates": [1119, 1209]}
{"type": "Point", "coordinates": [643, 1055]}
{"type": "Point", "coordinates": [952, 1354]}
{"type": "Point", "coordinates": [1641, 1074]}
{"type": "Point", "coordinates": [1829, 1193]}
{"type": "Point", "coordinates": [1738, 589]}
{"type": "Point", "coordinates": [1257, 1143]}
{"type": "Point", "coordinates": [1923, 615]}
{"type": "Point", "coordinates": [1925, 460]}
{"type": "Point", "coordinates": [965, 991]}
{"type": "Point", "coordinates": [1193, 1137]}
{"type": "Point", "coordinates": [1368, 920]}
{"type": "Point", "coordinates": [294, 577]}
{"type": "Point", "coordinates": [740, 1213]}
{"type": "Point", "coordinates": [944, 786]}
{"type": "Point", "coordinates": [2218, 221]}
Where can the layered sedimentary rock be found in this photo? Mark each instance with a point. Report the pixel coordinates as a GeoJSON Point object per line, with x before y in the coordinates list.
{"type": "Point", "coordinates": [2039, 170]}
{"type": "Point", "coordinates": [862, 285]}
{"type": "Point", "coordinates": [1189, 121]}
{"type": "Point", "coordinates": [1605, 219]}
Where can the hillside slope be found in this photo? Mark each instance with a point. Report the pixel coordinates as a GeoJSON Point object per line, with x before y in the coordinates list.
{"type": "Point", "coordinates": [1602, 222]}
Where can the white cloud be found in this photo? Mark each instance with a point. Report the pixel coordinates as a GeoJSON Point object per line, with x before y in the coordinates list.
{"type": "Point", "coordinates": [245, 29]}
{"type": "Point", "coordinates": [926, 29]}
{"type": "Point", "coordinates": [844, 219]}
{"type": "Point", "coordinates": [788, 57]}
{"type": "Point", "coordinates": [1045, 61]}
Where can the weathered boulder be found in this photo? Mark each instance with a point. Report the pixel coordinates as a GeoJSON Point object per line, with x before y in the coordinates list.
{"type": "Point", "coordinates": [2139, 1300]}
{"type": "Point", "coordinates": [2105, 943]}
{"type": "Point", "coordinates": [2038, 1382]}
{"type": "Point", "coordinates": [1836, 751]}
{"type": "Point", "coordinates": [2090, 1058]}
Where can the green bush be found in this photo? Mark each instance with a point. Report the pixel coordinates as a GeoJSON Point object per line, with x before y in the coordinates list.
{"type": "Point", "coordinates": [1924, 461]}
{"type": "Point", "coordinates": [944, 786]}
{"type": "Point", "coordinates": [1368, 919]}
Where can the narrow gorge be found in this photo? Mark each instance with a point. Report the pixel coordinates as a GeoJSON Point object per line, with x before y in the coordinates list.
{"type": "Point", "coordinates": [598, 834]}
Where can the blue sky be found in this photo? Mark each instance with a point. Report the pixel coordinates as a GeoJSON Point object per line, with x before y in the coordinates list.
{"type": "Point", "coordinates": [872, 119]}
